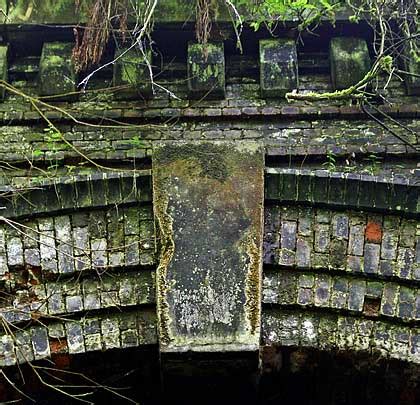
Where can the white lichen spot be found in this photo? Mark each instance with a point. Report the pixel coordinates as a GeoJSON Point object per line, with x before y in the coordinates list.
{"type": "Point", "coordinates": [309, 330]}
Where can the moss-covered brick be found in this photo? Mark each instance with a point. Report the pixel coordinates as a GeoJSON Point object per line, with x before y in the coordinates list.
{"type": "Point", "coordinates": [206, 70]}
{"type": "Point", "coordinates": [278, 67]}
{"type": "Point", "coordinates": [3, 68]}
{"type": "Point", "coordinates": [131, 71]}
{"type": "Point", "coordinates": [350, 61]}
{"type": "Point", "coordinates": [57, 76]}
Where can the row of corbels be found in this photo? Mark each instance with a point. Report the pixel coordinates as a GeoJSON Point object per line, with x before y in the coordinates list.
{"type": "Point", "coordinates": [278, 60]}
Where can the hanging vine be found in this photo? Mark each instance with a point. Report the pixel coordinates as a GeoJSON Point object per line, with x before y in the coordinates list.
{"type": "Point", "coordinates": [91, 40]}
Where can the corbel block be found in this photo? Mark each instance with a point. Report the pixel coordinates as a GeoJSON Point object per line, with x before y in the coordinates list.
{"type": "Point", "coordinates": [3, 68]}
{"type": "Point", "coordinates": [206, 70]}
{"type": "Point", "coordinates": [278, 67]}
{"type": "Point", "coordinates": [131, 70]}
{"type": "Point", "coordinates": [349, 60]}
{"type": "Point", "coordinates": [57, 75]}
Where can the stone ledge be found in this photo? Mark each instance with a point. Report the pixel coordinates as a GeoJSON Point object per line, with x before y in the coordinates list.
{"type": "Point", "coordinates": [343, 294]}
{"type": "Point", "coordinates": [115, 331]}
{"type": "Point", "coordinates": [335, 332]}
{"type": "Point", "coordinates": [72, 297]}
{"type": "Point", "coordinates": [76, 192]}
{"type": "Point", "coordinates": [389, 194]}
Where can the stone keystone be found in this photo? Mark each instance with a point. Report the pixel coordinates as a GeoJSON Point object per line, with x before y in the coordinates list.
{"type": "Point", "coordinates": [208, 200]}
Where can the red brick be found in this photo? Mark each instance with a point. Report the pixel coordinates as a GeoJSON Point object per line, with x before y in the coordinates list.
{"type": "Point", "coordinates": [373, 232]}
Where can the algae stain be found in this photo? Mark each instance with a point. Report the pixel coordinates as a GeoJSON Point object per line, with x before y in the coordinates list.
{"type": "Point", "coordinates": [167, 249]}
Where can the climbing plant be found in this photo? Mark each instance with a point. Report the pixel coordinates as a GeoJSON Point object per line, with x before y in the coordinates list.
{"type": "Point", "coordinates": [304, 12]}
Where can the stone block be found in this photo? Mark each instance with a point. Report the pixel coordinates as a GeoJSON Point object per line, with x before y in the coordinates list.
{"type": "Point", "coordinates": [48, 251]}
{"type": "Point", "coordinates": [351, 195]}
{"type": "Point", "coordinates": [92, 301]}
{"type": "Point", "coordinates": [206, 70]}
{"type": "Point", "coordinates": [99, 256]}
{"type": "Point", "coordinates": [129, 338]}
{"type": "Point", "coordinates": [131, 70]}
{"type": "Point", "coordinates": [132, 252]}
{"type": "Point", "coordinates": [288, 235]}
{"type": "Point", "coordinates": [357, 291]}
{"type": "Point", "coordinates": [389, 299]}
{"type": "Point", "coordinates": [65, 251]}
{"type": "Point", "coordinates": [57, 75]}
{"type": "Point", "coordinates": [74, 303]}
{"type": "Point", "coordinates": [356, 240]}
{"type": "Point", "coordinates": [32, 258]}
{"type": "Point", "coordinates": [126, 292]}
{"type": "Point", "coordinates": [93, 342]}
{"type": "Point", "coordinates": [309, 331]}
{"type": "Point", "coordinates": [337, 188]}
{"type": "Point", "coordinates": [371, 262]}
{"type": "Point", "coordinates": [289, 191]}
{"type": "Point", "coordinates": [209, 276]}
{"type": "Point", "coordinates": [304, 186]}
{"type": "Point", "coordinates": [337, 259]}
{"type": "Point", "coordinates": [270, 288]}
{"type": "Point", "coordinates": [110, 333]}
{"type": "Point", "coordinates": [354, 264]}
{"type": "Point", "coordinates": [322, 238]}
{"type": "Point", "coordinates": [83, 193]}
{"type": "Point", "coordinates": [340, 226]}
{"type": "Point", "coordinates": [328, 332]}
{"type": "Point", "coordinates": [7, 356]}
{"type": "Point", "coordinates": [287, 291]}
{"type": "Point", "coordinates": [387, 268]}
{"type": "Point", "coordinates": [40, 343]}
{"type": "Point", "coordinates": [405, 262]}
{"type": "Point", "coordinates": [55, 299]}
{"type": "Point", "coordinates": [15, 252]}
{"type": "Point", "coordinates": [374, 289]}
{"type": "Point", "coordinates": [286, 257]}
{"type": "Point", "coordinates": [273, 184]}
{"type": "Point", "coordinates": [389, 245]}
{"type": "Point", "coordinates": [278, 67]}
{"type": "Point", "coordinates": [320, 186]}
{"type": "Point", "coordinates": [24, 350]}
{"type": "Point", "coordinates": [350, 61]}
{"type": "Point", "coordinates": [305, 223]}
{"type": "Point", "coordinates": [75, 340]}
{"type": "Point", "coordinates": [303, 253]}
{"type": "Point", "coordinates": [3, 68]}
{"type": "Point", "coordinates": [339, 293]}
{"type": "Point", "coordinates": [322, 290]}
{"type": "Point", "coordinates": [406, 304]}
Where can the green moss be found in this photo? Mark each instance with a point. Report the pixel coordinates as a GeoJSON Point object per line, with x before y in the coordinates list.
{"type": "Point", "coordinates": [202, 154]}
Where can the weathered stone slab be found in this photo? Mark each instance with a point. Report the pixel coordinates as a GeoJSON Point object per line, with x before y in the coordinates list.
{"type": "Point", "coordinates": [3, 68]}
{"type": "Point", "coordinates": [206, 70]}
{"type": "Point", "coordinates": [131, 70]}
{"type": "Point", "coordinates": [208, 200]}
{"type": "Point", "coordinates": [57, 75]}
{"type": "Point", "coordinates": [278, 67]}
{"type": "Point", "coordinates": [350, 61]}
